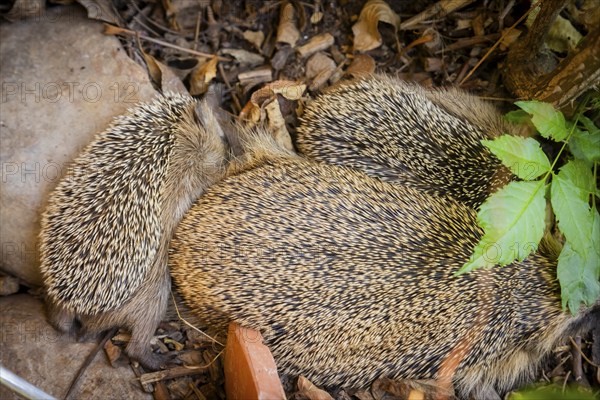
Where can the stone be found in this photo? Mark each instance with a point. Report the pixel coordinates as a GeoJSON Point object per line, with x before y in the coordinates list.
{"type": "Point", "coordinates": [33, 350]}
{"type": "Point", "coordinates": [62, 82]}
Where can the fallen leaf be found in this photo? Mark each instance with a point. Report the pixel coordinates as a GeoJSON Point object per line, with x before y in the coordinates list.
{"type": "Point", "coordinates": [319, 68]}
{"type": "Point", "coordinates": [260, 107]}
{"type": "Point", "coordinates": [276, 124]}
{"type": "Point", "coordinates": [363, 64]}
{"type": "Point", "coordinates": [160, 74]}
{"type": "Point", "coordinates": [202, 75]}
{"type": "Point", "coordinates": [316, 17]}
{"type": "Point", "coordinates": [306, 388]}
{"type": "Point", "coordinates": [287, 32]}
{"type": "Point", "coordinates": [102, 10]}
{"type": "Point", "coordinates": [178, 346]}
{"type": "Point", "coordinates": [507, 40]}
{"type": "Point", "coordinates": [255, 37]}
{"type": "Point", "coordinates": [112, 352]}
{"type": "Point", "coordinates": [366, 34]}
{"type": "Point", "coordinates": [245, 57]}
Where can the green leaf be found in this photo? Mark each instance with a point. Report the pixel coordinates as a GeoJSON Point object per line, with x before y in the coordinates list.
{"type": "Point", "coordinates": [589, 125]}
{"type": "Point", "coordinates": [580, 175]}
{"type": "Point", "coordinates": [553, 392]}
{"type": "Point", "coordinates": [513, 221]}
{"type": "Point", "coordinates": [585, 145]}
{"type": "Point", "coordinates": [572, 212]}
{"type": "Point", "coordinates": [549, 122]}
{"type": "Point", "coordinates": [578, 277]}
{"type": "Point", "coordinates": [518, 117]}
{"type": "Point", "coordinates": [523, 156]}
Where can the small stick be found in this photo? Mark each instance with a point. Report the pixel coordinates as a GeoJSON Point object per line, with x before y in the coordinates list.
{"type": "Point", "coordinates": [176, 372]}
{"type": "Point", "coordinates": [88, 360]}
{"type": "Point", "coordinates": [114, 30]}
{"type": "Point", "coordinates": [236, 101]}
{"type": "Point", "coordinates": [506, 32]}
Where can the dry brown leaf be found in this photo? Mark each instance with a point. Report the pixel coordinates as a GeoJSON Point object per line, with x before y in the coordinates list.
{"type": "Point", "coordinates": [102, 10]}
{"type": "Point", "coordinates": [306, 388]}
{"type": "Point", "coordinates": [366, 34]}
{"type": "Point", "coordinates": [507, 40]}
{"type": "Point", "coordinates": [363, 64]}
{"type": "Point", "coordinates": [245, 57]}
{"type": "Point", "coordinates": [112, 352]}
{"type": "Point", "coordinates": [319, 68]}
{"type": "Point", "coordinates": [277, 126]}
{"type": "Point", "coordinates": [287, 32]}
{"type": "Point", "coordinates": [202, 75]}
{"type": "Point", "coordinates": [316, 17]}
{"type": "Point", "coordinates": [162, 75]}
{"type": "Point", "coordinates": [253, 112]}
{"type": "Point", "coordinates": [256, 38]}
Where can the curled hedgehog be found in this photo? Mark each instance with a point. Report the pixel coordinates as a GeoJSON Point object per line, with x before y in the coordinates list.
{"type": "Point", "coordinates": [403, 133]}
{"type": "Point", "coordinates": [106, 228]}
{"type": "Point", "coordinates": [350, 278]}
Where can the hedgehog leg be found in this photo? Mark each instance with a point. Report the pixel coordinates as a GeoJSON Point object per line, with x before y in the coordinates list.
{"type": "Point", "coordinates": [143, 318]}
{"type": "Point", "coordinates": [62, 319]}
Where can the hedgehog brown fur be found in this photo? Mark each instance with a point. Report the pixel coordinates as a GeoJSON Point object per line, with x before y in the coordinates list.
{"type": "Point", "coordinates": [350, 278]}
{"type": "Point", "coordinates": [403, 133]}
{"type": "Point", "coordinates": [107, 225]}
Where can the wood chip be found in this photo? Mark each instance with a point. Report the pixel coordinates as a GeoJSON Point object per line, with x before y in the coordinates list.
{"type": "Point", "coordinates": [287, 32]}
{"type": "Point", "coordinates": [317, 43]}
{"type": "Point", "coordinates": [254, 37]}
{"type": "Point", "coordinates": [171, 373]}
{"type": "Point", "coordinates": [260, 75]}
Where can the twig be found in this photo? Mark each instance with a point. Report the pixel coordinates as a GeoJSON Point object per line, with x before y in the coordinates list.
{"type": "Point", "coordinates": [197, 31]}
{"type": "Point", "coordinates": [445, 6]}
{"type": "Point", "coordinates": [236, 101]}
{"type": "Point", "coordinates": [583, 354]}
{"type": "Point", "coordinates": [177, 372]}
{"type": "Point", "coordinates": [114, 30]}
{"type": "Point", "coordinates": [88, 360]}
{"type": "Point", "coordinates": [506, 32]}
{"type": "Point", "coordinates": [190, 325]}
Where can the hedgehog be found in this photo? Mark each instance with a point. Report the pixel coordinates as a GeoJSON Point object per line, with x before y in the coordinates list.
{"type": "Point", "coordinates": [105, 232]}
{"type": "Point", "coordinates": [350, 278]}
{"type": "Point", "coordinates": [403, 133]}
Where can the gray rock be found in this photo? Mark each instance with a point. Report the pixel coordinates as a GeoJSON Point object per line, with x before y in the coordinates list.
{"type": "Point", "coordinates": [62, 81]}
{"type": "Point", "coordinates": [32, 349]}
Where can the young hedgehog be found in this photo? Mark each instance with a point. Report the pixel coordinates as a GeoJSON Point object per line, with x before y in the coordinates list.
{"type": "Point", "coordinates": [350, 278]}
{"type": "Point", "coordinates": [402, 133]}
{"type": "Point", "coordinates": [107, 225]}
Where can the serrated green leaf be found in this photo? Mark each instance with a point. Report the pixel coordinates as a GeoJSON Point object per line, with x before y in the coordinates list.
{"type": "Point", "coordinates": [518, 117]}
{"type": "Point", "coordinates": [553, 392]}
{"type": "Point", "coordinates": [580, 175]}
{"type": "Point", "coordinates": [572, 212]}
{"type": "Point", "coordinates": [585, 145]}
{"type": "Point", "coordinates": [523, 156]}
{"type": "Point", "coordinates": [578, 277]}
{"type": "Point", "coordinates": [549, 122]}
{"type": "Point", "coordinates": [589, 125]}
{"type": "Point", "coordinates": [513, 221]}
